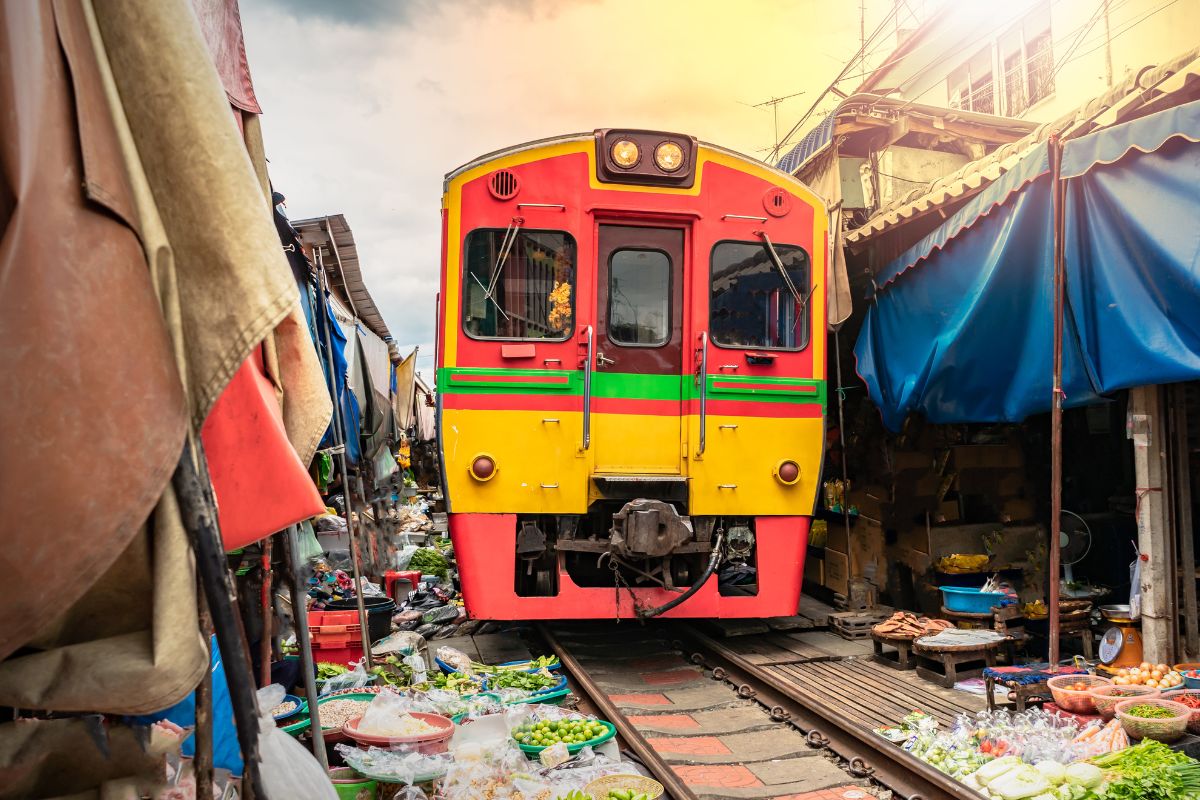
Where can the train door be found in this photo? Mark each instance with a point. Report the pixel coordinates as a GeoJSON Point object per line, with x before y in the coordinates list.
{"type": "Point", "coordinates": [637, 392]}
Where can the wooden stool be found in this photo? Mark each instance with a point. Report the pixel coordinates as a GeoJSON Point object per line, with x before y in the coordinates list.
{"type": "Point", "coordinates": [1021, 693]}
{"type": "Point", "coordinates": [902, 659]}
{"type": "Point", "coordinates": [951, 657]}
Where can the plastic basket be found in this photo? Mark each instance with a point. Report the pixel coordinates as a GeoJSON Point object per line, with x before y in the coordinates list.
{"type": "Point", "coordinates": [334, 629]}
{"type": "Point", "coordinates": [611, 731]}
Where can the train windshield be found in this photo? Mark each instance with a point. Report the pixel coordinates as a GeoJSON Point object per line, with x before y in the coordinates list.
{"type": "Point", "coordinates": [519, 284]}
{"type": "Point", "coordinates": [753, 304]}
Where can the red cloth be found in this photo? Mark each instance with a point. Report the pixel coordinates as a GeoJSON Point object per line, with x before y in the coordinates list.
{"type": "Point", "coordinates": [260, 484]}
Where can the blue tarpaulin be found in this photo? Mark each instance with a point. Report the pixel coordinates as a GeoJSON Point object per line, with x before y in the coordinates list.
{"type": "Point", "coordinates": [337, 362]}
{"type": "Point", "coordinates": [961, 329]}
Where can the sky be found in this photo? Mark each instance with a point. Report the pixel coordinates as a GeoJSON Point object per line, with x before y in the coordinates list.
{"type": "Point", "coordinates": [368, 103]}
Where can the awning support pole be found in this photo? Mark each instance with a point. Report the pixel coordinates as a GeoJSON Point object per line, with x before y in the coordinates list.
{"type": "Point", "coordinates": [265, 653]}
{"type": "Point", "coordinates": [339, 436]}
{"type": "Point", "coordinates": [1056, 404]}
{"type": "Point", "coordinates": [202, 763]}
{"type": "Point", "coordinates": [308, 670]}
{"type": "Point", "coordinates": [198, 509]}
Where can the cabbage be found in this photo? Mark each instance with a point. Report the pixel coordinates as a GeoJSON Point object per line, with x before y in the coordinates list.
{"type": "Point", "coordinates": [1086, 775]}
{"type": "Point", "coordinates": [1019, 783]}
{"type": "Point", "coordinates": [994, 769]}
{"type": "Point", "coordinates": [1052, 771]}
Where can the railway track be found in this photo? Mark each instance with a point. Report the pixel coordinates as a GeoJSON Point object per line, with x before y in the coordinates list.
{"type": "Point", "coordinates": [708, 723]}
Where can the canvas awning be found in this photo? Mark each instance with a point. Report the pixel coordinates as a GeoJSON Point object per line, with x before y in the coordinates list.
{"type": "Point", "coordinates": [961, 323]}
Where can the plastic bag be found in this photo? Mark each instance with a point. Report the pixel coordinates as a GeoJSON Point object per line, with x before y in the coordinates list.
{"type": "Point", "coordinates": [1135, 588]}
{"type": "Point", "coordinates": [287, 769]}
{"type": "Point", "coordinates": [404, 556]}
{"type": "Point", "coordinates": [356, 678]}
{"type": "Point", "coordinates": [398, 766]}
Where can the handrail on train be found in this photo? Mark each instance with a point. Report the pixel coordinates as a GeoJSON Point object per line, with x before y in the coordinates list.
{"type": "Point", "coordinates": [702, 379]}
{"type": "Point", "coordinates": [587, 387]}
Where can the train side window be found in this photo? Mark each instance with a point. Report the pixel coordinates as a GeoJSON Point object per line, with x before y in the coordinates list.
{"type": "Point", "coordinates": [639, 297]}
{"type": "Point", "coordinates": [751, 304]}
{"type": "Point", "coordinates": [519, 286]}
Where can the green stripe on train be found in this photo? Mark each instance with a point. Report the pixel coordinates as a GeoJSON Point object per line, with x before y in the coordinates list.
{"type": "Point", "coordinates": [628, 386]}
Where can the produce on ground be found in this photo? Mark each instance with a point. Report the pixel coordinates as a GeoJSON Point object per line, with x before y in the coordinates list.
{"type": "Point", "coordinates": [430, 562]}
{"type": "Point", "coordinates": [452, 682]}
{"type": "Point", "coordinates": [1149, 770]}
{"type": "Point", "coordinates": [527, 681]}
{"type": "Point", "coordinates": [286, 707]}
{"type": "Point", "coordinates": [1158, 676]}
{"type": "Point", "coordinates": [541, 662]}
{"type": "Point", "coordinates": [336, 713]}
{"type": "Point", "coordinates": [567, 731]}
{"type": "Point", "coordinates": [903, 625]}
{"type": "Point", "coordinates": [1096, 740]}
{"type": "Point", "coordinates": [327, 670]}
{"type": "Point", "coordinates": [403, 725]}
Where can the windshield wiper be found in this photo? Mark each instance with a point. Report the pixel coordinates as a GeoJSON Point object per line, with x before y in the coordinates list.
{"type": "Point", "coordinates": [801, 301]}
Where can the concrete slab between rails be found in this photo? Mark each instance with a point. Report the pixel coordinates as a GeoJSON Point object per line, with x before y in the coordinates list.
{"type": "Point", "coordinates": [607, 665]}
{"type": "Point", "coordinates": [810, 773]}
{"type": "Point", "coordinates": [649, 681]}
{"type": "Point", "coordinates": [733, 781]}
{"type": "Point", "coordinates": [671, 701]}
{"type": "Point", "coordinates": [743, 748]}
{"type": "Point", "coordinates": [727, 720]}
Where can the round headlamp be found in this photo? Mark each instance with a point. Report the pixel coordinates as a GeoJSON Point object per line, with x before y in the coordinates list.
{"type": "Point", "coordinates": [625, 154]}
{"type": "Point", "coordinates": [483, 467]}
{"type": "Point", "coordinates": [668, 156]}
{"type": "Point", "coordinates": [787, 472]}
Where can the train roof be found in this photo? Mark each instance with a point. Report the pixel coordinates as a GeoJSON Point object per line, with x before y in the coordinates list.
{"type": "Point", "coordinates": [587, 137]}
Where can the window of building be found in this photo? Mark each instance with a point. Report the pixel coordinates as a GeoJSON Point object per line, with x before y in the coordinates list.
{"type": "Point", "coordinates": [752, 304]}
{"type": "Point", "coordinates": [519, 286]}
{"type": "Point", "coordinates": [971, 86]}
{"type": "Point", "coordinates": [639, 297]}
{"type": "Point", "coordinates": [1027, 59]}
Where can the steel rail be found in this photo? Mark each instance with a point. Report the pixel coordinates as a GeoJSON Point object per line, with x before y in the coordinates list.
{"type": "Point", "coordinates": [866, 754]}
{"type": "Point", "coordinates": [676, 788]}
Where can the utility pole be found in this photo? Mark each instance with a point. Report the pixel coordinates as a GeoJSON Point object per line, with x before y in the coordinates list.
{"type": "Point", "coordinates": [1108, 74]}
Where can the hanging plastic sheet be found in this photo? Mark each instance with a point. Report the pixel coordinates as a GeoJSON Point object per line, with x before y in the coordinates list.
{"type": "Point", "coordinates": [336, 361]}
{"type": "Point", "coordinates": [1133, 248]}
{"type": "Point", "coordinates": [965, 337]}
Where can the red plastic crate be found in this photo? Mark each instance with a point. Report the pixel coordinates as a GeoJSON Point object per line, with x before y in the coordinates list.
{"type": "Point", "coordinates": [334, 629]}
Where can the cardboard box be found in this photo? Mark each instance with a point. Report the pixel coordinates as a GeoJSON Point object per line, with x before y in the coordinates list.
{"type": "Point", "coordinates": [947, 511]}
{"type": "Point", "coordinates": [1010, 483]}
{"type": "Point", "coordinates": [1017, 509]}
{"type": "Point", "coordinates": [837, 572]}
{"type": "Point", "coordinates": [987, 456]}
{"type": "Point", "coordinates": [814, 571]}
{"type": "Point", "coordinates": [873, 502]}
{"type": "Point", "coordinates": [927, 485]}
{"type": "Point", "coordinates": [911, 461]}
{"type": "Point", "coordinates": [913, 538]}
{"type": "Point", "coordinates": [837, 539]}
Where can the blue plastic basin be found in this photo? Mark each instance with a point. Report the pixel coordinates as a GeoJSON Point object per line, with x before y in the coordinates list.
{"type": "Point", "coordinates": [970, 601]}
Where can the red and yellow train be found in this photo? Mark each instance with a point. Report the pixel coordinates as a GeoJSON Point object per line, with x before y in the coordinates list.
{"type": "Point", "coordinates": [631, 378]}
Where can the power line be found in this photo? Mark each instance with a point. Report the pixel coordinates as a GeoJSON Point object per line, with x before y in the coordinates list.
{"type": "Point", "coordinates": [834, 82]}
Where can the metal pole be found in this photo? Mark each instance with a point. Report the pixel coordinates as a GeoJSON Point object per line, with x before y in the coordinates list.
{"type": "Point", "coordinates": [837, 348]}
{"type": "Point", "coordinates": [199, 512]}
{"type": "Point", "coordinates": [339, 436]}
{"type": "Point", "coordinates": [291, 549]}
{"type": "Point", "coordinates": [1056, 405]}
{"type": "Point", "coordinates": [268, 617]}
{"type": "Point", "coordinates": [202, 763]}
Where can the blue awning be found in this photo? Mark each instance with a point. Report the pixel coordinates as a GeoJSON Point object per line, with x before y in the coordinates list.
{"type": "Point", "coordinates": [813, 142]}
{"type": "Point", "coordinates": [961, 329]}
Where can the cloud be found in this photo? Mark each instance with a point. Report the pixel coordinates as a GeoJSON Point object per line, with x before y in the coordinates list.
{"type": "Point", "coordinates": [364, 116]}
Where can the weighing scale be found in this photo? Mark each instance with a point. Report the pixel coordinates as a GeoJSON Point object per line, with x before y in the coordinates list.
{"type": "Point", "coordinates": [1121, 645]}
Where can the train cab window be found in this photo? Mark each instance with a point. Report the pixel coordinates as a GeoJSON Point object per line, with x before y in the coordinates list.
{"type": "Point", "coordinates": [519, 285]}
{"type": "Point", "coordinates": [752, 304]}
{"type": "Point", "coordinates": [639, 297]}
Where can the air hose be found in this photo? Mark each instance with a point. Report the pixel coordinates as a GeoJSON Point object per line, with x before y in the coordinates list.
{"type": "Point", "coordinates": [713, 559]}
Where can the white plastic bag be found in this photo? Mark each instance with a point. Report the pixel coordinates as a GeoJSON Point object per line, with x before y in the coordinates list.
{"type": "Point", "coordinates": [356, 678]}
{"type": "Point", "coordinates": [1135, 588]}
{"type": "Point", "coordinates": [287, 768]}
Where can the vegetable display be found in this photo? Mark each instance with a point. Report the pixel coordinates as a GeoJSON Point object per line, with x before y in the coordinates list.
{"type": "Point", "coordinates": [327, 670]}
{"type": "Point", "coordinates": [567, 731]}
{"type": "Point", "coordinates": [430, 562]}
{"type": "Point", "coordinates": [1156, 676]}
{"type": "Point", "coordinates": [1149, 770]}
{"type": "Point", "coordinates": [527, 681]}
{"type": "Point", "coordinates": [541, 662]}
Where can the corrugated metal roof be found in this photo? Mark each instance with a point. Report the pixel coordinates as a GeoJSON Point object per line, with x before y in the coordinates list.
{"type": "Point", "coordinates": [1149, 89]}
{"type": "Point", "coordinates": [858, 111]}
{"type": "Point", "coordinates": [345, 277]}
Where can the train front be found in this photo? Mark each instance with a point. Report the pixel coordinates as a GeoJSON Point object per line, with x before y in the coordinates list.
{"type": "Point", "coordinates": [631, 378]}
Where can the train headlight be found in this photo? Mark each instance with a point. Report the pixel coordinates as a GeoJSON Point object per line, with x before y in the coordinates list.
{"type": "Point", "coordinates": [668, 156]}
{"type": "Point", "coordinates": [625, 154]}
{"type": "Point", "coordinates": [787, 472]}
{"type": "Point", "coordinates": [483, 468]}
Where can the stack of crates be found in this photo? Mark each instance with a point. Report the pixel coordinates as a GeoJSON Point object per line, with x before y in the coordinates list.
{"type": "Point", "coordinates": [336, 636]}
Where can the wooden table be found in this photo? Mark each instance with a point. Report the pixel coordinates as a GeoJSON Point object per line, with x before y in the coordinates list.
{"type": "Point", "coordinates": [951, 657]}
{"type": "Point", "coordinates": [903, 659]}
